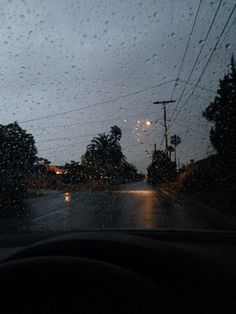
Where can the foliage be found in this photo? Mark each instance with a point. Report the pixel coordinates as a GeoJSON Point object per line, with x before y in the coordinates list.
{"type": "Point", "coordinates": [161, 168]}
{"type": "Point", "coordinates": [175, 140]}
{"type": "Point", "coordinates": [103, 161]}
{"type": "Point", "coordinates": [17, 157]}
{"type": "Point", "coordinates": [75, 173]}
{"type": "Point", "coordinates": [222, 112]}
{"type": "Point", "coordinates": [212, 180]}
{"type": "Point", "coordinates": [41, 166]}
{"type": "Point", "coordinates": [170, 149]}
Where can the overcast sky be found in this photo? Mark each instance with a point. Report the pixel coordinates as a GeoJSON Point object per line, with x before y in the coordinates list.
{"type": "Point", "coordinates": [103, 60]}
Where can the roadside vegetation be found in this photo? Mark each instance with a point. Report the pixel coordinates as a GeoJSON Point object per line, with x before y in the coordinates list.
{"type": "Point", "coordinates": [210, 180]}
{"type": "Point", "coordinates": [22, 172]}
{"type": "Point", "coordinates": [17, 158]}
{"type": "Point", "coordinates": [102, 165]}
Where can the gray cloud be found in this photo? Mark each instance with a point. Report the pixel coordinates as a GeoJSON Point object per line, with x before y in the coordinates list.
{"type": "Point", "coordinates": [61, 55]}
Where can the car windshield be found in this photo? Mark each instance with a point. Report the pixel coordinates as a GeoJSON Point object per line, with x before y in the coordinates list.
{"type": "Point", "coordinates": [117, 115]}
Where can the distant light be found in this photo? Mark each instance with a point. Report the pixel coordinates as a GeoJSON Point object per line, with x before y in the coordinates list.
{"type": "Point", "coordinates": [125, 120]}
{"type": "Point", "coordinates": [148, 123]}
{"type": "Point", "coordinates": [58, 172]}
{"type": "Point", "coordinates": [138, 121]}
{"type": "Point", "coordinates": [67, 197]}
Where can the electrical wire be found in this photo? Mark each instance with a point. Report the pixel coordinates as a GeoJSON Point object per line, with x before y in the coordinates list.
{"type": "Point", "coordinates": [207, 63]}
{"type": "Point", "coordinates": [187, 46]}
{"type": "Point", "coordinates": [196, 61]}
{"type": "Point", "coordinates": [96, 104]}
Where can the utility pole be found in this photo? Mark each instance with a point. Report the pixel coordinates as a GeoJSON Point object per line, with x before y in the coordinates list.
{"type": "Point", "coordinates": [164, 103]}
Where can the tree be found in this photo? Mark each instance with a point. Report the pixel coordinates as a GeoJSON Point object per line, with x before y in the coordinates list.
{"type": "Point", "coordinates": [41, 165]}
{"type": "Point", "coordinates": [74, 173]}
{"type": "Point", "coordinates": [102, 156]}
{"type": "Point", "coordinates": [128, 172]}
{"type": "Point", "coordinates": [161, 168]}
{"type": "Point", "coordinates": [175, 140]}
{"type": "Point", "coordinates": [222, 112]}
{"type": "Point", "coordinates": [17, 157]}
{"type": "Point", "coordinates": [170, 150]}
{"type": "Point", "coordinates": [116, 133]}
{"type": "Point", "coordinates": [104, 159]}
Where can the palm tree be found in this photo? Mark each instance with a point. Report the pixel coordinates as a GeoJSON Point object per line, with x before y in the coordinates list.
{"type": "Point", "coordinates": [105, 160]}
{"type": "Point", "coordinates": [116, 133]}
{"type": "Point", "coordinates": [99, 144]}
{"type": "Point", "coordinates": [97, 156]}
{"type": "Point", "coordinates": [175, 140]}
{"type": "Point", "coordinates": [104, 156]}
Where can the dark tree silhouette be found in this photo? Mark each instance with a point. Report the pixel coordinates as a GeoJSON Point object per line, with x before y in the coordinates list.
{"type": "Point", "coordinates": [212, 180]}
{"type": "Point", "coordinates": [74, 173]}
{"type": "Point", "coordinates": [175, 140]}
{"type": "Point", "coordinates": [116, 133]}
{"type": "Point", "coordinates": [17, 157]}
{"type": "Point", "coordinates": [161, 168]}
{"type": "Point", "coordinates": [170, 150]}
{"type": "Point", "coordinates": [104, 159]}
{"type": "Point", "coordinates": [222, 112]}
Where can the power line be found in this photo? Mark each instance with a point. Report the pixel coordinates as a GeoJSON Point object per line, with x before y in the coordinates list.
{"type": "Point", "coordinates": [203, 98]}
{"type": "Point", "coordinates": [201, 87]}
{"type": "Point", "coordinates": [97, 104]}
{"type": "Point", "coordinates": [77, 136]}
{"type": "Point", "coordinates": [190, 128]}
{"type": "Point", "coordinates": [196, 61]}
{"type": "Point", "coordinates": [93, 134]}
{"type": "Point", "coordinates": [104, 120]}
{"type": "Point", "coordinates": [208, 62]}
{"type": "Point", "coordinates": [123, 148]}
{"type": "Point", "coordinates": [63, 146]}
{"type": "Point", "coordinates": [186, 49]}
{"type": "Point", "coordinates": [226, 33]}
{"type": "Point", "coordinates": [65, 138]}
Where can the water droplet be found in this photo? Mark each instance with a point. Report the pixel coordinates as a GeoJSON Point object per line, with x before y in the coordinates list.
{"type": "Point", "coordinates": [154, 14]}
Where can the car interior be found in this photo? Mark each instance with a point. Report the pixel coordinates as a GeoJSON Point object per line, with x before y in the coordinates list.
{"type": "Point", "coordinates": [117, 157]}
{"type": "Point", "coordinates": [119, 272]}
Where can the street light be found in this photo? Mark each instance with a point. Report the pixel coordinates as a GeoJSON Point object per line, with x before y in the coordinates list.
{"type": "Point", "coordinates": [148, 123]}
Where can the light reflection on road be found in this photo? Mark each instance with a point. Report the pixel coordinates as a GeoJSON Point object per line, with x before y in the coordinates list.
{"type": "Point", "coordinates": [138, 192]}
{"type": "Point", "coordinates": [67, 197]}
{"type": "Point", "coordinates": [145, 207]}
{"type": "Point", "coordinates": [129, 206]}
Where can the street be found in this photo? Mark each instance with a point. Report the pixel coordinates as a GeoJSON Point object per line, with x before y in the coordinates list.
{"type": "Point", "coordinates": [131, 206]}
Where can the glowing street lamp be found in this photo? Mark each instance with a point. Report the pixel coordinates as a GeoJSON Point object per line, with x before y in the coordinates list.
{"type": "Point", "coordinates": [148, 122]}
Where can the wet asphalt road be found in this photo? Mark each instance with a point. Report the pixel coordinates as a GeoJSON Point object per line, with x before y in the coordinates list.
{"type": "Point", "coordinates": [130, 206]}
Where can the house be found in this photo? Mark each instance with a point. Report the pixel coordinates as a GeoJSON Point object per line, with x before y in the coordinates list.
{"type": "Point", "coordinates": [56, 169]}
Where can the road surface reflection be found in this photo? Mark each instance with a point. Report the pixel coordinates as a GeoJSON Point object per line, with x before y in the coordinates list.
{"type": "Point", "coordinates": [130, 206]}
{"type": "Point", "coordinates": [67, 197]}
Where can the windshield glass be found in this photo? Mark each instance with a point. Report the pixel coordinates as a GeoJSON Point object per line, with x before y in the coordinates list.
{"type": "Point", "coordinates": [117, 114]}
